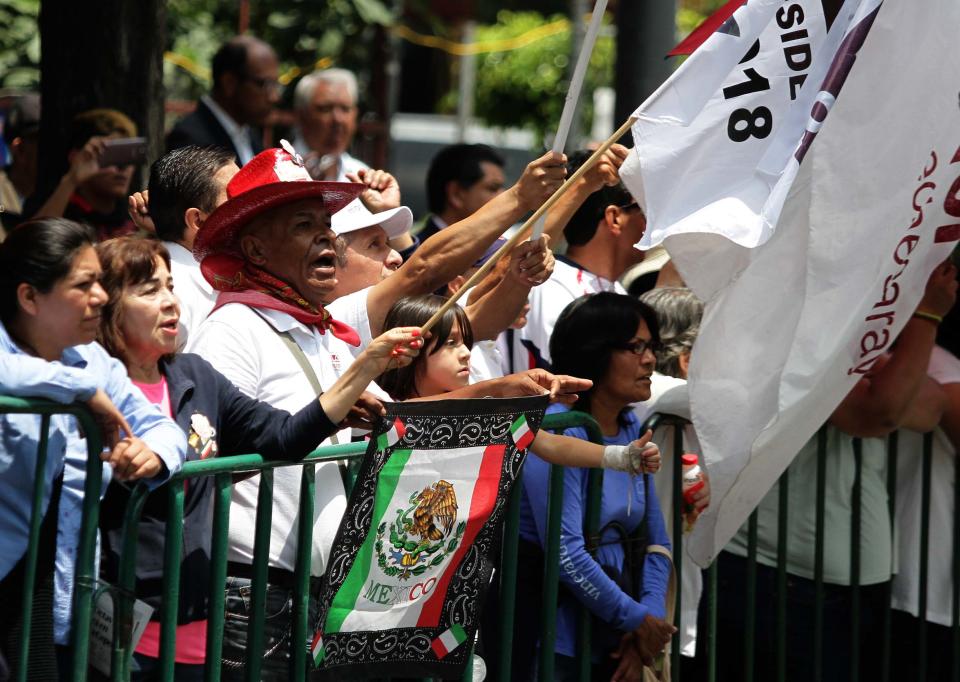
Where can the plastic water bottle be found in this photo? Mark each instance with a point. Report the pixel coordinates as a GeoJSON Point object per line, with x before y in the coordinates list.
{"type": "Point", "coordinates": [692, 482]}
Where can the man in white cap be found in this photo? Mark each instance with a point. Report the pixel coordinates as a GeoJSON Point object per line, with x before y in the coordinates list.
{"type": "Point", "coordinates": [372, 277]}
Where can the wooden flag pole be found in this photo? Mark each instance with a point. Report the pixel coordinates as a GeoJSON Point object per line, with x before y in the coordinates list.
{"type": "Point", "coordinates": [521, 233]}
{"type": "Point", "coordinates": [573, 92]}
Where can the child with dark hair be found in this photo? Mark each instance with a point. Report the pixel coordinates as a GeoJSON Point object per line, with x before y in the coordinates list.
{"type": "Point", "coordinates": [444, 367]}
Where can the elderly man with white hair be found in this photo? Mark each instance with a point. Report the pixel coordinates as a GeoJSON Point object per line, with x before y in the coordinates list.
{"type": "Point", "coordinates": [325, 104]}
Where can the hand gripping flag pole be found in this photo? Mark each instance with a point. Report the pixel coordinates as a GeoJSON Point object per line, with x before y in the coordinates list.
{"type": "Point", "coordinates": [521, 233]}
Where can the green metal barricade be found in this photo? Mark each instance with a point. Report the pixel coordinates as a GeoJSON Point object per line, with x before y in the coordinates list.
{"type": "Point", "coordinates": [224, 469]}
{"type": "Point", "coordinates": [85, 570]}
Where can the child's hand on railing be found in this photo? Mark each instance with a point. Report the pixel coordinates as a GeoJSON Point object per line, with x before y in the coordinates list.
{"type": "Point", "coordinates": [132, 460]}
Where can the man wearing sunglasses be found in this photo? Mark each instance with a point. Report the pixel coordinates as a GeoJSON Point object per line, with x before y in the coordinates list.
{"type": "Point", "coordinates": [245, 90]}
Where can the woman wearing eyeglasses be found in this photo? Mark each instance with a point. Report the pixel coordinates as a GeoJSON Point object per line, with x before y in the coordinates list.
{"type": "Point", "coordinates": [610, 339]}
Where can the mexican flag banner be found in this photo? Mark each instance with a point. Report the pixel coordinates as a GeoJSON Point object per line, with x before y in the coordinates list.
{"type": "Point", "coordinates": [414, 553]}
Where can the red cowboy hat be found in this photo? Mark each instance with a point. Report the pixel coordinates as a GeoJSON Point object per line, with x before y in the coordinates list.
{"type": "Point", "coordinates": [272, 178]}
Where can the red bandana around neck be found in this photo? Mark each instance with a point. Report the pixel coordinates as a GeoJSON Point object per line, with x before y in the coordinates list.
{"type": "Point", "coordinates": [256, 287]}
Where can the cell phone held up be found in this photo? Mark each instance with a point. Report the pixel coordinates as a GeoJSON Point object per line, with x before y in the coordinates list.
{"type": "Point", "coordinates": [123, 151]}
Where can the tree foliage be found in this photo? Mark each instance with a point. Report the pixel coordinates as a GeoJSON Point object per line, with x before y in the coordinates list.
{"type": "Point", "coordinates": [301, 32]}
{"type": "Point", "coordinates": [19, 44]}
{"type": "Point", "coordinates": [526, 87]}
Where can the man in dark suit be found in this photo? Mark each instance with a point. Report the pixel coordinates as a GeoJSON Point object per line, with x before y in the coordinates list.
{"type": "Point", "coordinates": [461, 179]}
{"type": "Point", "coordinates": [245, 90]}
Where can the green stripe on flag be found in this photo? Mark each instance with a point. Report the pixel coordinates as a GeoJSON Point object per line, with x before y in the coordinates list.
{"type": "Point", "coordinates": [346, 598]}
{"type": "Point", "coordinates": [459, 634]}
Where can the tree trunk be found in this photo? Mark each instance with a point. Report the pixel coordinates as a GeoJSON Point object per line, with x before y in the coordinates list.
{"type": "Point", "coordinates": [107, 53]}
{"type": "Point", "coordinates": [646, 31]}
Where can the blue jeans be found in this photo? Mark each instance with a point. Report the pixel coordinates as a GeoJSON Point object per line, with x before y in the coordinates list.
{"type": "Point", "coordinates": [277, 632]}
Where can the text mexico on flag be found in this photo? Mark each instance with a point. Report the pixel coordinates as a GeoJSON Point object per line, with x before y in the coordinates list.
{"type": "Point", "coordinates": [412, 559]}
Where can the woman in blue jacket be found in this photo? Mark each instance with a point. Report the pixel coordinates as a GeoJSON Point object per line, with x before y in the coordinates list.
{"type": "Point", "coordinates": [139, 326]}
{"type": "Point", "coordinates": [610, 339]}
{"type": "Point", "coordinates": [50, 305]}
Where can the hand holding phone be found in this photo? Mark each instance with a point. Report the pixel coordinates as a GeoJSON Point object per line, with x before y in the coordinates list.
{"type": "Point", "coordinates": [123, 151]}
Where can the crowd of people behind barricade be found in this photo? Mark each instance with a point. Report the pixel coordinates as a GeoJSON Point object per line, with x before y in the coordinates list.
{"type": "Point", "coordinates": [271, 300]}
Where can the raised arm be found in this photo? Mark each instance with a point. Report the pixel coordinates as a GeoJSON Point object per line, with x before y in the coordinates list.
{"type": "Point", "coordinates": [250, 425]}
{"type": "Point", "coordinates": [454, 249]}
{"type": "Point", "coordinates": [880, 402]}
{"type": "Point", "coordinates": [950, 422]}
{"type": "Point", "coordinates": [84, 164]}
{"type": "Point", "coordinates": [530, 264]}
{"type": "Point", "coordinates": [606, 172]}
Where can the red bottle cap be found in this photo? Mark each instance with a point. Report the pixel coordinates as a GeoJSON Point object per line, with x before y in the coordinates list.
{"type": "Point", "coordinates": [689, 459]}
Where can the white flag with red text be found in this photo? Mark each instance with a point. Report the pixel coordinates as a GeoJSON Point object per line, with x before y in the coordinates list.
{"type": "Point", "coordinates": [809, 270]}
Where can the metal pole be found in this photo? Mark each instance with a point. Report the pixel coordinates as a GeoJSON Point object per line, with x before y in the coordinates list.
{"type": "Point", "coordinates": [468, 81]}
{"type": "Point", "coordinates": [645, 33]}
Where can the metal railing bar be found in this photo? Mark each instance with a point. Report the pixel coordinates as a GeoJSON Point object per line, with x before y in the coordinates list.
{"type": "Point", "coordinates": [955, 593]}
{"type": "Point", "coordinates": [33, 548]}
{"type": "Point", "coordinates": [124, 597]}
{"type": "Point", "coordinates": [750, 634]}
{"type": "Point", "coordinates": [856, 519]}
{"type": "Point", "coordinates": [551, 575]}
{"type": "Point", "coordinates": [924, 555]}
{"type": "Point", "coordinates": [172, 553]}
{"type": "Point", "coordinates": [892, 457]}
{"type": "Point", "coordinates": [223, 488]}
{"type": "Point", "coordinates": [591, 528]}
{"type": "Point", "coordinates": [508, 581]}
{"type": "Point", "coordinates": [818, 554]}
{"type": "Point", "coordinates": [258, 588]}
{"type": "Point", "coordinates": [301, 595]}
{"type": "Point", "coordinates": [711, 634]}
{"type": "Point", "coordinates": [782, 511]}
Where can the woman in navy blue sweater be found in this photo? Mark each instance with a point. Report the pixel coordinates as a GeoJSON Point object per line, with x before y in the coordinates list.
{"type": "Point", "coordinates": [139, 326]}
{"type": "Point", "coordinates": [610, 339]}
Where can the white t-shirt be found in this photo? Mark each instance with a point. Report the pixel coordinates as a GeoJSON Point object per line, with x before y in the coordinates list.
{"type": "Point", "coordinates": [547, 301]}
{"type": "Point", "coordinates": [669, 395]}
{"type": "Point", "coordinates": [486, 362]}
{"type": "Point", "coordinates": [196, 296]}
{"type": "Point", "coordinates": [352, 309]}
{"type": "Point", "coordinates": [944, 368]}
{"type": "Point", "coordinates": [236, 340]}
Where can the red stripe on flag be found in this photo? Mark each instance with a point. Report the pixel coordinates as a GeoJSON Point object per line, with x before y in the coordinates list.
{"type": "Point", "coordinates": [439, 650]}
{"type": "Point", "coordinates": [484, 497]}
{"type": "Point", "coordinates": [699, 35]}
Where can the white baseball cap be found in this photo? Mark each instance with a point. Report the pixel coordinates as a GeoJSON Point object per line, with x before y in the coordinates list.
{"type": "Point", "coordinates": [355, 216]}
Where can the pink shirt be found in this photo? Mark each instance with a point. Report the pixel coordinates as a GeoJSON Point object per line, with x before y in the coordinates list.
{"type": "Point", "coordinates": [191, 637]}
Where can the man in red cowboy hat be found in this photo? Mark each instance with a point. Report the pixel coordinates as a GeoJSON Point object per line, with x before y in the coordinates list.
{"type": "Point", "coordinates": [271, 253]}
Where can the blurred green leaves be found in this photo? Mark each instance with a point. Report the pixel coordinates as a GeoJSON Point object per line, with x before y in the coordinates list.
{"type": "Point", "coordinates": [526, 87]}
{"type": "Point", "coordinates": [19, 44]}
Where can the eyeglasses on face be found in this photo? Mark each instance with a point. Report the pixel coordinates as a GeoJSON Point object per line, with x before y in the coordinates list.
{"type": "Point", "coordinates": [639, 347]}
